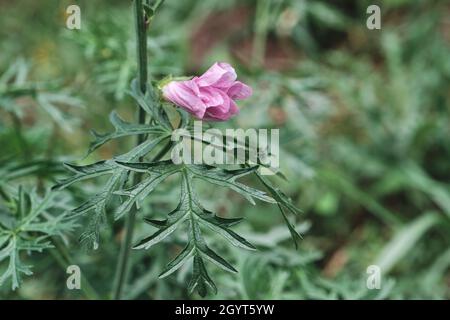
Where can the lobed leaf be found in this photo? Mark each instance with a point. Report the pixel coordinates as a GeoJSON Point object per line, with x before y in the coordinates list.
{"type": "Point", "coordinates": [122, 129]}
{"type": "Point", "coordinates": [226, 178]}
{"type": "Point", "coordinates": [187, 253]}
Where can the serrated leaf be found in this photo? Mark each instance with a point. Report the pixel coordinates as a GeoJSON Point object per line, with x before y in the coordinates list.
{"type": "Point", "coordinates": [225, 222]}
{"type": "Point", "coordinates": [213, 257]}
{"type": "Point", "coordinates": [283, 201]}
{"type": "Point", "coordinates": [91, 237]}
{"type": "Point", "coordinates": [226, 178]}
{"type": "Point", "coordinates": [122, 129]}
{"type": "Point", "coordinates": [159, 235]}
{"type": "Point", "coordinates": [200, 279]}
{"type": "Point", "coordinates": [85, 172]}
{"type": "Point", "coordinates": [29, 230]}
{"type": "Point", "coordinates": [158, 166]}
{"type": "Point", "coordinates": [138, 192]}
{"type": "Point", "coordinates": [228, 234]}
{"type": "Point", "coordinates": [97, 204]}
{"type": "Point", "coordinates": [156, 223]}
{"type": "Point", "coordinates": [179, 260]}
{"type": "Point", "coordinates": [88, 205]}
{"type": "Point", "coordinates": [294, 234]}
{"type": "Point", "coordinates": [278, 195]}
{"type": "Point", "coordinates": [190, 209]}
{"type": "Point", "coordinates": [141, 150]}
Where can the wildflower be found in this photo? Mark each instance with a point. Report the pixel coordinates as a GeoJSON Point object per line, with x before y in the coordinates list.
{"type": "Point", "coordinates": [211, 96]}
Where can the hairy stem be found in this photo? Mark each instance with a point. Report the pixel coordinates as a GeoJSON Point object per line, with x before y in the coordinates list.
{"type": "Point", "coordinates": [122, 269]}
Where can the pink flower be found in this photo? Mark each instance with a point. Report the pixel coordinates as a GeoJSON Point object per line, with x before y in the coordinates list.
{"type": "Point", "coordinates": [210, 96]}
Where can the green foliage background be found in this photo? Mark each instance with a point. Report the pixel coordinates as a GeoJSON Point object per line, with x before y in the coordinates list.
{"type": "Point", "coordinates": [364, 119]}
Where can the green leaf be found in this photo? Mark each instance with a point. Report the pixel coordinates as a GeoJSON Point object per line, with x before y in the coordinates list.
{"type": "Point", "coordinates": [13, 270]}
{"type": "Point", "coordinates": [137, 193]}
{"type": "Point", "coordinates": [283, 201]}
{"type": "Point", "coordinates": [327, 15]}
{"type": "Point", "coordinates": [156, 223]}
{"type": "Point", "coordinates": [152, 167]}
{"type": "Point", "coordinates": [48, 102]}
{"type": "Point", "coordinates": [85, 172]}
{"type": "Point", "coordinates": [149, 12]}
{"type": "Point", "coordinates": [90, 204]}
{"type": "Point", "coordinates": [189, 209]}
{"type": "Point", "coordinates": [404, 241]}
{"type": "Point", "coordinates": [200, 278]}
{"type": "Point", "coordinates": [180, 259]}
{"type": "Point", "coordinates": [24, 203]}
{"type": "Point", "coordinates": [91, 237]}
{"type": "Point", "coordinates": [122, 129]}
{"type": "Point", "coordinates": [165, 231]}
{"type": "Point", "coordinates": [142, 149]}
{"type": "Point", "coordinates": [296, 237]}
{"type": "Point", "coordinates": [228, 234]}
{"type": "Point", "coordinates": [213, 257]}
{"type": "Point", "coordinates": [97, 204]}
{"type": "Point", "coordinates": [226, 178]}
{"type": "Point", "coordinates": [151, 105]}
{"type": "Point", "coordinates": [157, 4]}
{"type": "Point", "coordinates": [29, 228]}
{"type": "Point", "coordinates": [279, 196]}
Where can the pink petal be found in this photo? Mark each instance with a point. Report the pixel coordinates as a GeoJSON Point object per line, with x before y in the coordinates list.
{"type": "Point", "coordinates": [192, 84]}
{"type": "Point", "coordinates": [239, 91]}
{"type": "Point", "coordinates": [182, 94]}
{"type": "Point", "coordinates": [233, 109]}
{"type": "Point", "coordinates": [220, 75]}
{"type": "Point", "coordinates": [212, 96]}
{"type": "Point", "coordinates": [222, 112]}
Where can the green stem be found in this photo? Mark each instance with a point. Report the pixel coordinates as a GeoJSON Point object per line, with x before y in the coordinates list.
{"type": "Point", "coordinates": [122, 265]}
{"type": "Point", "coordinates": [261, 28]}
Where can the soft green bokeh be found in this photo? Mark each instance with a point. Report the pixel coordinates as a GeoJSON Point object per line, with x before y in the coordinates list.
{"type": "Point", "coordinates": [364, 120]}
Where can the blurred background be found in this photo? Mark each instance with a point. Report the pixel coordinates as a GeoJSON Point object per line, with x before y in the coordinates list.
{"type": "Point", "coordinates": [364, 119]}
